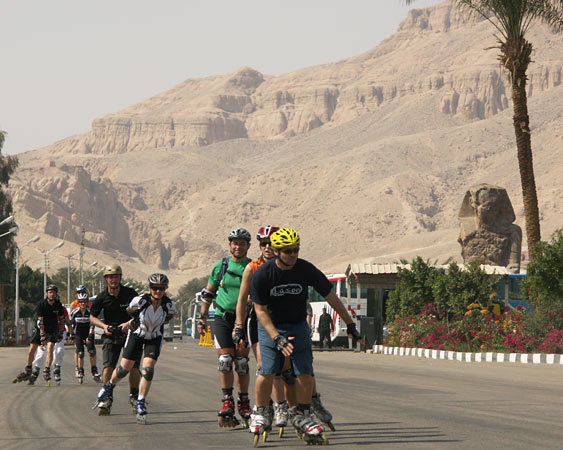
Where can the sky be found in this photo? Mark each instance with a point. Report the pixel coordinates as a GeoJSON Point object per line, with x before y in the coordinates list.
{"type": "Point", "coordinates": [66, 62]}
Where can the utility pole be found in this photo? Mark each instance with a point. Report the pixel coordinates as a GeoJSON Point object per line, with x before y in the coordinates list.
{"type": "Point", "coordinates": [82, 257]}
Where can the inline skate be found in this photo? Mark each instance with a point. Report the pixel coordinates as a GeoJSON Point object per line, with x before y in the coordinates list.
{"type": "Point", "coordinates": [141, 410]}
{"type": "Point", "coordinates": [307, 429]}
{"type": "Point", "coordinates": [321, 412]}
{"type": "Point", "coordinates": [23, 376]}
{"type": "Point", "coordinates": [281, 416]}
{"type": "Point", "coordinates": [260, 424]}
{"type": "Point", "coordinates": [244, 410]}
{"type": "Point", "coordinates": [226, 416]}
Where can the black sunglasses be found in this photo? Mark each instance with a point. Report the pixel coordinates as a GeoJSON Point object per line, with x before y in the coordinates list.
{"type": "Point", "coordinates": [158, 288]}
{"type": "Point", "coordinates": [290, 251]}
{"type": "Point", "coordinates": [265, 243]}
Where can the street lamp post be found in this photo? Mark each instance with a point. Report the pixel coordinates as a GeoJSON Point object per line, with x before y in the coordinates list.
{"type": "Point", "coordinates": [94, 281]}
{"type": "Point", "coordinates": [45, 254]}
{"type": "Point", "coordinates": [17, 301]}
{"type": "Point", "coordinates": [12, 230]}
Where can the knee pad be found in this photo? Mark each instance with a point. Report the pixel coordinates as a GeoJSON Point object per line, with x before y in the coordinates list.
{"type": "Point", "coordinates": [80, 354]}
{"type": "Point", "coordinates": [289, 377]}
{"type": "Point", "coordinates": [225, 363]}
{"type": "Point", "coordinates": [147, 373]}
{"type": "Point", "coordinates": [241, 365]}
{"type": "Point", "coordinates": [121, 372]}
{"type": "Point", "coordinates": [91, 352]}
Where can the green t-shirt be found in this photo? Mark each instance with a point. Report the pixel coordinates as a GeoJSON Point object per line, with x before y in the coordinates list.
{"type": "Point", "coordinates": [227, 294]}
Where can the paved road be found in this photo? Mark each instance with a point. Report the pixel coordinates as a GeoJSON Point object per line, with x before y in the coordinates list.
{"type": "Point", "coordinates": [378, 401]}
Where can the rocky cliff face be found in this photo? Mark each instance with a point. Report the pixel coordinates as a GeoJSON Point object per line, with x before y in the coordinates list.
{"type": "Point", "coordinates": [365, 156]}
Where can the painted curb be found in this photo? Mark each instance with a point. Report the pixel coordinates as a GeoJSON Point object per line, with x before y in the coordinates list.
{"type": "Point", "coordinates": [488, 357]}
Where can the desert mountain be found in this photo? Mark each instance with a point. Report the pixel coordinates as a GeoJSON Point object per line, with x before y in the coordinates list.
{"type": "Point", "coordinates": [368, 157]}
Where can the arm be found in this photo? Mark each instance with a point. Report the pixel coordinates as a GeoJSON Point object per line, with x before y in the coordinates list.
{"type": "Point", "coordinates": [242, 301]}
{"type": "Point", "coordinates": [207, 296]}
{"type": "Point", "coordinates": [333, 300]}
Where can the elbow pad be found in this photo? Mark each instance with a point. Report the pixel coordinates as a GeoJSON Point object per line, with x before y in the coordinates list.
{"type": "Point", "coordinates": [206, 294]}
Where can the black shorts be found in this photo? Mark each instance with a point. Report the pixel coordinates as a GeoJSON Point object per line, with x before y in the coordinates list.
{"type": "Point", "coordinates": [223, 330]}
{"type": "Point", "coordinates": [252, 327]}
{"type": "Point", "coordinates": [51, 336]}
{"type": "Point", "coordinates": [111, 350]}
{"type": "Point", "coordinates": [80, 341]}
{"type": "Point", "coordinates": [134, 346]}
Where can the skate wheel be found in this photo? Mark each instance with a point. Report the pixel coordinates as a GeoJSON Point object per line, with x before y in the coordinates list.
{"type": "Point", "coordinates": [14, 381]}
{"type": "Point", "coordinates": [104, 411]}
{"type": "Point", "coordinates": [331, 426]}
{"type": "Point", "coordinates": [141, 419]}
{"type": "Point", "coordinates": [325, 439]}
{"type": "Point", "coordinates": [280, 432]}
{"type": "Point", "coordinates": [265, 435]}
{"type": "Point", "coordinates": [256, 439]}
{"type": "Point", "coordinates": [48, 384]}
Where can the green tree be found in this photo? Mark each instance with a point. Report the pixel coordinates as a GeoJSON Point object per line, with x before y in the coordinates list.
{"type": "Point", "coordinates": [512, 19]}
{"type": "Point", "coordinates": [544, 282]}
{"type": "Point", "coordinates": [7, 244]}
{"type": "Point", "coordinates": [31, 290]}
{"type": "Point", "coordinates": [415, 289]}
{"type": "Point", "coordinates": [188, 291]}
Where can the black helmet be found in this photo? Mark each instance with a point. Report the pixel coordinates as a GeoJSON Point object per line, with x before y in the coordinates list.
{"type": "Point", "coordinates": [52, 287]}
{"type": "Point", "coordinates": [158, 279]}
{"type": "Point", "coordinates": [239, 233]}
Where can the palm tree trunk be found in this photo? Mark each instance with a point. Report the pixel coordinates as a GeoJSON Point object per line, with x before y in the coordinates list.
{"type": "Point", "coordinates": [524, 148]}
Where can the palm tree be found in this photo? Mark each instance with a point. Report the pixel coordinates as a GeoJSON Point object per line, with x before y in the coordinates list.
{"type": "Point", "coordinates": [512, 19]}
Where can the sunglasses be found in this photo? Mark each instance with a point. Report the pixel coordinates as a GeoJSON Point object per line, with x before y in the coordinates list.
{"type": "Point", "coordinates": [158, 288]}
{"type": "Point", "coordinates": [290, 251]}
{"type": "Point", "coordinates": [265, 243]}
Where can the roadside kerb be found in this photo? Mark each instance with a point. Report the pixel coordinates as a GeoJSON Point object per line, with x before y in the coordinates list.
{"type": "Point", "coordinates": [522, 358]}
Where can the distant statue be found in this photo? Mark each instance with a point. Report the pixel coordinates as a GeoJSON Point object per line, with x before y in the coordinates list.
{"type": "Point", "coordinates": [486, 232]}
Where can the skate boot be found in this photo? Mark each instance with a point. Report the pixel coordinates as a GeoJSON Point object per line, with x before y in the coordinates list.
{"type": "Point", "coordinates": [95, 375]}
{"type": "Point", "coordinates": [260, 424]}
{"type": "Point", "coordinates": [24, 376]}
{"type": "Point", "coordinates": [57, 375]}
{"type": "Point", "coordinates": [80, 375]}
{"type": "Point", "coordinates": [243, 406]}
{"type": "Point", "coordinates": [226, 416]}
{"type": "Point", "coordinates": [76, 372]}
{"type": "Point", "coordinates": [34, 376]}
{"type": "Point", "coordinates": [141, 410]}
{"type": "Point", "coordinates": [321, 412]}
{"type": "Point", "coordinates": [47, 375]}
{"type": "Point", "coordinates": [105, 399]}
{"type": "Point", "coordinates": [281, 416]}
{"type": "Point", "coordinates": [307, 429]}
{"type": "Point", "coordinates": [133, 401]}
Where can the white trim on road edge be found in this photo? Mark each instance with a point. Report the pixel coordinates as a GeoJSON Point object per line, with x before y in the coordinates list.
{"type": "Point", "coordinates": [523, 358]}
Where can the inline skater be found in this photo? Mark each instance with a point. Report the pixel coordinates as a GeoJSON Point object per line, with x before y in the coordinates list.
{"type": "Point", "coordinates": [50, 316]}
{"type": "Point", "coordinates": [246, 325]}
{"type": "Point", "coordinates": [113, 303]}
{"type": "Point", "coordinates": [150, 312]}
{"type": "Point", "coordinates": [223, 286]}
{"type": "Point", "coordinates": [90, 343]}
{"type": "Point", "coordinates": [279, 290]}
{"type": "Point", "coordinates": [58, 351]}
{"type": "Point", "coordinates": [83, 332]}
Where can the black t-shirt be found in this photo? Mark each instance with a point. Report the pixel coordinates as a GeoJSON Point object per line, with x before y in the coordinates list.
{"type": "Point", "coordinates": [285, 292]}
{"type": "Point", "coordinates": [80, 321]}
{"type": "Point", "coordinates": [50, 314]}
{"type": "Point", "coordinates": [113, 308]}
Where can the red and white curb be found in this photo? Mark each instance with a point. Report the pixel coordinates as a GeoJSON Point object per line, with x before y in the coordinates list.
{"type": "Point", "coordinates": [523, 358]}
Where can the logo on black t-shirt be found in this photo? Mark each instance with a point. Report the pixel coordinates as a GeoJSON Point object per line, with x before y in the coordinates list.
{"type": "Point", "coordinates": [286, 289]}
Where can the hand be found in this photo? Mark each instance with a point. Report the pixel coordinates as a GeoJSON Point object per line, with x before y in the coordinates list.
{"type": "Point", "coordinates": [238, 336]}
{"type": "Point", "coordinates": [283, 344]}
{"type": "Point", "coordinates": [353, 333]}
{"type": "Point", "coordinates": [107, 329]}
{"type": "Point", "coordinates": [201, 327]}
{"type": "Point", "coordinates": [124, 327]}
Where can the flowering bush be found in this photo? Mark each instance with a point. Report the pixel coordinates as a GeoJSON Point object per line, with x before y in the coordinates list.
{"type": "Point", "coordinates": [478, 330]}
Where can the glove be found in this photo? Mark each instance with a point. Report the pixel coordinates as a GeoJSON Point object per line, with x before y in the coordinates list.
{"type": "Point", "coordinates": [92, 337]}
{"type": "Point", "coordinates": [201, 323]}
{"type": "Point", "coordinates": [239, 335]}
{"type": "Point", "coordinates": [281, 342]}
{"type": "Point", "coordinates": [351, 329]}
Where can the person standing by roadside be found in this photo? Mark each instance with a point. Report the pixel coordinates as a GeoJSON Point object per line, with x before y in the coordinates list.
{"type": "Point", "coordinates": [223, 287]}
{"type": "Point", "coordinates": [326, 326]}
{"type": "Point", "coordinates": [113, 303]}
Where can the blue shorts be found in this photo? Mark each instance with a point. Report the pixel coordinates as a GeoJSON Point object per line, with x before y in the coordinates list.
{"type": "Point", "coordinates": [302, 356]}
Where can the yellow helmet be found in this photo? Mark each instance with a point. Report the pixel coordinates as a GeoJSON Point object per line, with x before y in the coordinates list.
{"type": "Point", "coordinates": [284, 237]}
{"type": "Point", "coordinates": [112, 269]}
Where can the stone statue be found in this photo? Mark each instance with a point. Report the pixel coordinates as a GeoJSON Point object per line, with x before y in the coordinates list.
{"type": "Point", "coordinates": [486, 232]}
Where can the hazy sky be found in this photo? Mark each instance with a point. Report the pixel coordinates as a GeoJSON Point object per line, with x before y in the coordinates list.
{"type": "Point", "coordinates": [66, 62]}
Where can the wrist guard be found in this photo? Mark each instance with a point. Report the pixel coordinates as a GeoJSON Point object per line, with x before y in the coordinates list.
{"type": "Point", "coordinates": [239, 335]}
{"type": "Point", "coordinates": [281, 342]}
{"type": "Point", "coordinates": [352, 330]}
